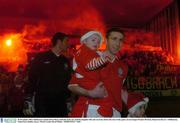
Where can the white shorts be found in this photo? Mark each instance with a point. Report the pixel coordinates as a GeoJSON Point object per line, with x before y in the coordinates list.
{"type": "Point", "coordinates": [92, 111]}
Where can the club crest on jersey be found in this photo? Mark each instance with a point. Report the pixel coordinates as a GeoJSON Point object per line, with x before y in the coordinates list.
{"type": "Point", "coordinates": [65, 66]}
{"type": "Point", "coordinates": [120, 72]}
{"type": "Point", "coordinates": [47, 62]}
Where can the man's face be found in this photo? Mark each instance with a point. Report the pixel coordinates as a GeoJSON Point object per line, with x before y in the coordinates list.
{"type": "Point", "coordinates": [115, 42]}
{"type": "Point", "coordinates": [63, 44]}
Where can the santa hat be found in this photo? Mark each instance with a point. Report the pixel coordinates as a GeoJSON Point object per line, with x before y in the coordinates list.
{"type": "Point", "coordinates": [90, 33]}
{"type": "Point", "coordinates": [135, 100]}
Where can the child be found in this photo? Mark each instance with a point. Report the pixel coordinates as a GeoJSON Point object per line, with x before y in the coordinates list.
{"type": "Point", "coordinates": [87, 64]}
{"type": "Point", "coordinates": [137, 104]}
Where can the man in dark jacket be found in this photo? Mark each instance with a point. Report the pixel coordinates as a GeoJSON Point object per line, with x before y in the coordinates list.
{"type": "Point", "coordinates": [49, 75]}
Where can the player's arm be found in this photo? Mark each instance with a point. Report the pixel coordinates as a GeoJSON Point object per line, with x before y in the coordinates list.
{"type": "Point", "coordinates": [98, 92]}
{"type": "Point", "coordinates": [124, 95]}
{"type": "Point", "coordinates": [33, 76]}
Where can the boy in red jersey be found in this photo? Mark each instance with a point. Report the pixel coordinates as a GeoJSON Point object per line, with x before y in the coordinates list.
{"type": "Point", "coordinates": [87, 64]}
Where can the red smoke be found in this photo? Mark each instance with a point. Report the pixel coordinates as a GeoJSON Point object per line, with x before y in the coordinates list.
{"type": "Point", "coordinates": [13, 54]}
{"type": "Point", "coordinates": [14, 46]}
{"type": "Point", "coordinates": [33, 23]}
{"type": "Point", "coordinates": [38, 35]}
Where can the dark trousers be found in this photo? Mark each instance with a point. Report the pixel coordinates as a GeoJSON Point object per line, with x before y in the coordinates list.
{"type": "Point", "coordinates": [50, 106]}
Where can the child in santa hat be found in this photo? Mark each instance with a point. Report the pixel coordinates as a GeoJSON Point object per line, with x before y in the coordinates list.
{"type": "Point", "coordinates": [86, 64]}
{"type": "Point", "coordinates": [137, 104]}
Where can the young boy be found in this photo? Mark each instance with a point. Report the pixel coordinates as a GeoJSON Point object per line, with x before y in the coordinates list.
{"type": "Point", "coordinates": [137, 105]}
{"type": "Point", "coordinates": [87, 64]}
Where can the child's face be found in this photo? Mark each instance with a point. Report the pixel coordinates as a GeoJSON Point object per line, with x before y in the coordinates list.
{"type": "Point", "coordinates": [93, 42]}
{"type": "Point", "coordinates": [140, 112]}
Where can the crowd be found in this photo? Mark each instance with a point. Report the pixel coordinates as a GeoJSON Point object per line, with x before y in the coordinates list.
{"type": "Point", "coordinates": [145, 63]}
{"type": "Point", "coordinates": [37, 46]}
{"type": "Point", "coordinates": [11, 91]}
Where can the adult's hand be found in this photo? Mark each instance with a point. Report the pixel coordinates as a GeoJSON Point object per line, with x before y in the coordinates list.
{"type": "Point", "coordinates": [108, 56]}
{"type": "Point", "coordinates": [98, 92]}
{"type": "Point", "coordinates": [29, 109]}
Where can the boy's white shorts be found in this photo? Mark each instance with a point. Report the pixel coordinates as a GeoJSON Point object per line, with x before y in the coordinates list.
{"type": "Point", "coordinates": [92, 111]}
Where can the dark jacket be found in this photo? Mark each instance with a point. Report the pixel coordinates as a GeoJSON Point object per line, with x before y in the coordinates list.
{"type": "Point", "coordinates": [49, 76]}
